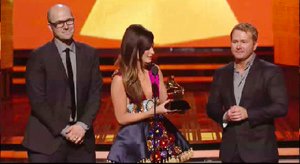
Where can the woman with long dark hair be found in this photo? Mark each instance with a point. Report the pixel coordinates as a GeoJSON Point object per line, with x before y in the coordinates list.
{"type": "Point", "coordinates": [139, 97]}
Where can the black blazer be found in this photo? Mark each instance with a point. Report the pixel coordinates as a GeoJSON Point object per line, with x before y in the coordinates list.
{"type": "Point", "coordinates": [265, 98]}
{"type": "Point", "coordinates": [48, 90]}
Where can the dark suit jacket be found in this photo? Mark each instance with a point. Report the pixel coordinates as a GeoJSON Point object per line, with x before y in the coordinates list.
{"type": "Point", "coordinates": [265, 98]}
{"type": "Point", "coordinates": [48, 91]}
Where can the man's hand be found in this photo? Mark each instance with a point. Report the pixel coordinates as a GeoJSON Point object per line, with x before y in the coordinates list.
{"type": "Point", "coordinates": [75, 134]}
{"type": "Point", "coordinates": [236, 113]}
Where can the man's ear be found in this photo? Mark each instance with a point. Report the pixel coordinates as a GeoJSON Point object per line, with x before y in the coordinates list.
{"type": "Point", "coordinates": [50, 28]}
{"type": "Point", "coordinates": [255, 46]}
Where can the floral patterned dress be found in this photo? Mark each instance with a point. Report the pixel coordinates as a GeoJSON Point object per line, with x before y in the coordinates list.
{"type": "Point", "coordinates": [152, 140]}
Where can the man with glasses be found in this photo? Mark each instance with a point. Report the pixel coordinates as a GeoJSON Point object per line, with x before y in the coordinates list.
{"type": "Point", "coordinates": [63, 83]}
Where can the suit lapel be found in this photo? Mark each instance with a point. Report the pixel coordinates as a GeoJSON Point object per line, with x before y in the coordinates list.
{"type": "Point", "coordinates": [79, 64]}
{"type": "Point", "coordinates": [57, 60]}
{"type": "Point", "coordinates": [229, 82]}
{"type": "Point", "coordinates": [250, 80]}
{"type": "Point", "coordinates": [231, 85]}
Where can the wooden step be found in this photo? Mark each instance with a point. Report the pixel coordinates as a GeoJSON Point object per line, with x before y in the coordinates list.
{"type": "Point", "coordinates": [162, 67]}
{"type": "Point", "coordinates": [107, 80]}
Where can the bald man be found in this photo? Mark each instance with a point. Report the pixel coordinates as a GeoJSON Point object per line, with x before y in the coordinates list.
{"type": "Point", "coordinates": [63, 83]}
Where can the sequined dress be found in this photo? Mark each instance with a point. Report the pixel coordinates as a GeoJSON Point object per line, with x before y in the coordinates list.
{"type": "Point", "coordinates": [151, 140]}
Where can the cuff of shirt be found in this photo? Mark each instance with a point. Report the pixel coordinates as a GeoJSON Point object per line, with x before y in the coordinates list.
{"type": "Point", "coordinates": [225, 123]}
{"type": "Point", "coordinates": [64, 131]}
{"type": "Point", "coordinates": [83, 125]}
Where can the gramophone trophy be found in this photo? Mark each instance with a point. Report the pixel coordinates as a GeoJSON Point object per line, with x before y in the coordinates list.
{"type": "Point", "coordinates": [176, 92]}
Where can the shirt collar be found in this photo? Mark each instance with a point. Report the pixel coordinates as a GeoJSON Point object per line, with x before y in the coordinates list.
{"type": "Point", "coordinates": [249, 63]}
{"type": "Point", "coordinates": [62, 46]}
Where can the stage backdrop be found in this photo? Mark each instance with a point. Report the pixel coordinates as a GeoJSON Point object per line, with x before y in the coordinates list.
{"type": "Point", "coordinates": [175, 23]}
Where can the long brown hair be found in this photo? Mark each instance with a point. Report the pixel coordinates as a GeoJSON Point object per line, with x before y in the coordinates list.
{"type": "Point", "coordinates": [135, 42]}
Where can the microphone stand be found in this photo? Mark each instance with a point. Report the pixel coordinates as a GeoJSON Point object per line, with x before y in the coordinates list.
{"type": "Point", "coordinates": [155, 126]}
{"type": "Point", "coordinates": [155, 93]}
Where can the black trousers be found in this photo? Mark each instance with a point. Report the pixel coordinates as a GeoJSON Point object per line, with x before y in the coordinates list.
{"type": "Point", "coordinates": [66, 153]}
{"type": "Point", "coordinates": [237, 158]}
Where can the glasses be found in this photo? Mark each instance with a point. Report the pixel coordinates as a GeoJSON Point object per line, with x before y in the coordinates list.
{"type": "Point", "coordinates": [60, 24]}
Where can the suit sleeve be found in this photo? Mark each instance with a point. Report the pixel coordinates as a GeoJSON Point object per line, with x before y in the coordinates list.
{"type": "Point", "coordinates": [93, 102]}
{"type": "Point", "coordinates": [36, 89]}
{"type": "Point", "coordinates": [277, 95]}
{"type": "Point", "coordinates": [214, 106]}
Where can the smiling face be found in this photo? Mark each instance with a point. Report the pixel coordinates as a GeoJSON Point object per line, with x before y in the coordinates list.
{"type": "Point", "coordinates": [61, 22]}
{"type": "Point", "coordinates": [147, 56]}
{"type": "Point", "coordinates": [242, 45]}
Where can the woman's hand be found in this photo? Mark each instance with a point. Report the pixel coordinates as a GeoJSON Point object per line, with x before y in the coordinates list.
{"type": "Point", "coordinates": [161, 109]}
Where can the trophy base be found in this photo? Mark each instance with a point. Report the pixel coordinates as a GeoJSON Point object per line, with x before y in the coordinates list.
{"type": "Point", "coordinates": [180, 105]}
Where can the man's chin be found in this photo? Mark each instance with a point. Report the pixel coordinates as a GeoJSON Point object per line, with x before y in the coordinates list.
{"type": "Point", "coordinates": [67, 40]}
{"type": "Point", "coordinates": [239, 57]}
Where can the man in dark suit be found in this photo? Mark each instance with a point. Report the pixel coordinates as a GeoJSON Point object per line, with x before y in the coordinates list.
{"type": "Point", "coordinates": [245, 98]}
{"type": "Point", "coordinates": [63, 84]}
